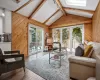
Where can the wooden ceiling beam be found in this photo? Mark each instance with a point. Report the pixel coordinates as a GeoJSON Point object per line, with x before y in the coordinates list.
{"type": "Point", "coordinates": [37, 8]}
{"type": "Point", "coordinates": [74, 9]}
{"type": "Point", "coordinates": [51, 16]}
{"type": "Point", "coordinates": [60, 6]}
{"type": "Point", "coordinates": [23, 5]}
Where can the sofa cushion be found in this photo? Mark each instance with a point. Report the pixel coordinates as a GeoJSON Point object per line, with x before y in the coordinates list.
{"type": "Point", "coordinates": [10, 60]}
{"type": "Point", "coordinates": [83, 61]}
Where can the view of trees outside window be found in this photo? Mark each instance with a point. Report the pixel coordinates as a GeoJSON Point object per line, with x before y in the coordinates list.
{"type": "Point", "coordinates": [70, 37]}
{"type": "Point", "coordinates": [36, 35]}
{"type": "Point", "coordinates": [76, 37]}
{"type": "Point", "coordinates": [66, 37]}
{"type": "Point", "coordinates": [33, 33]}
{"type": "Point", "coordinates": [56, 35]}
{"type": "Point", "coordinates": [39, 36]}
{"type": "Point", "coordinates": [35, 39]}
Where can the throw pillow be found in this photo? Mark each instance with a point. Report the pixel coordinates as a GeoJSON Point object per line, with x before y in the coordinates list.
{"type": "Point", "coordinates": [90, 54]}
{"type": "Point", "coordinates": [87, 50]}
{"type": "Point", "coordinates": [10, 59]}
{"type": "Point", "coordinates": [79, 51]}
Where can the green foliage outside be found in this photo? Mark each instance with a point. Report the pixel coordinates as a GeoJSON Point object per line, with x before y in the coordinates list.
{"type": "Point", "coordinates": [36, 35]}
{"type": "Point", "coordinates": [77, 34]}
{"type": "Point", "coordinates": [65, 37]}
{"type": "Point", "coordinates": [33, 31]}
{"type": "Point", "coordinates": [39, 35]}
{"type": "Point", "coordinates": [65, 33]}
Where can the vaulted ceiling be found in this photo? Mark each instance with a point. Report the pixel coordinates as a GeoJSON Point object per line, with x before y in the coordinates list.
{"type": "Point", "coordinates": [48, 11]}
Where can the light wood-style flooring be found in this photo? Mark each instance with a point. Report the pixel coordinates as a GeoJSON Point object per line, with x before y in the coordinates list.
{"type": "Point", "coordinates": [20, 75]}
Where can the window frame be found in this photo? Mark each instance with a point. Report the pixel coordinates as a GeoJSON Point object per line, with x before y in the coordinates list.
{"type": "Point", "coordinates": [80, 3]}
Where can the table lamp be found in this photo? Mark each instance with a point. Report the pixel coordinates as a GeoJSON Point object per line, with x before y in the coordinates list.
{"type": "Point", "coordinates": [49, 43]}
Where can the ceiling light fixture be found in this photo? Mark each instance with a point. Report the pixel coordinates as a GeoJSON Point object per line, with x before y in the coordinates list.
{"type": "Point", "coordinates": [3, 12]}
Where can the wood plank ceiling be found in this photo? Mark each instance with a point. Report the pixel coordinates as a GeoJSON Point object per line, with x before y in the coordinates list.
{"type": "Point", "coordinates": [48, 11]}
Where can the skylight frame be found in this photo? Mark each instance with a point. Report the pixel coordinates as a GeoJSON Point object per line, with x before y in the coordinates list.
{"type": "Point", "coordinates": [81, 3]}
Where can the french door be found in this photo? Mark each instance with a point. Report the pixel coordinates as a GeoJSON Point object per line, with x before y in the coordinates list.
{"type": "Point", "coordinates": [69, 37]}
{"type": "Point", "coordinates": [36, 36]}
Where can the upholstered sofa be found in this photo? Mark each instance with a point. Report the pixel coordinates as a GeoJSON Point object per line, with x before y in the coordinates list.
{"type": "Point", "coordinates": [81, 68]}
{"type": "Point", "coordinates": [97, 70]}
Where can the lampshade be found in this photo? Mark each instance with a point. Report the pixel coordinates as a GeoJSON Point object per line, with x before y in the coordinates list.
{"type": "Point", "coordinates": [49, 41]}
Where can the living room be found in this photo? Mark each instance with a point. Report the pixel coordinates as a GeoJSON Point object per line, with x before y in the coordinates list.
{"type": "Point", "coordinates": [56, 39]}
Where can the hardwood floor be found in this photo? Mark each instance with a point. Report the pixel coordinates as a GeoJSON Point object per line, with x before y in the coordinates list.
{"type": "Point", "coordinates": [20, 75]}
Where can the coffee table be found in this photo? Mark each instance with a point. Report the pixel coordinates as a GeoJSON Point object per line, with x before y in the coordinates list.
{"type": "Point", "coordinates": [57, 53]}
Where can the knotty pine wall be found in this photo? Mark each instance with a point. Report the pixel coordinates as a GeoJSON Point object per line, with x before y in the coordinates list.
{"type": "Point", "coordinates": [88, 31]}
{"type": "Point", "coordinates": [96, 24]}
{"type": "Point", "coordinates": [20, 32]}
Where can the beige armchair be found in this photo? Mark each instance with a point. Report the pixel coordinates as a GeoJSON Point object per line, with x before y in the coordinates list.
{"type": "Point", "coordinates": [81, 68]}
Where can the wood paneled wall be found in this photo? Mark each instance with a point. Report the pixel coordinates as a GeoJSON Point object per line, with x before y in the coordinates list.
{"type": "Point", "coordinates": [96, 24]}
{"type": "Point", "coordinates": [88, 31]}
{"type": "Point", "coordinates": [70, 20]}
{"type": "Point", "coordinates": [20, 32]}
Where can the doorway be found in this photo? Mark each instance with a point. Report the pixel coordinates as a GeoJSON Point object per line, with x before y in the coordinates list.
{"type": "Point", "coordinates": [69, 37]}
{"type": "Point", "coordinates": [35, 39]}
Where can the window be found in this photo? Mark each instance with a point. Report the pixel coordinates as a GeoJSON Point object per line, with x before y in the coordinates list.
{"type": "Point", "coordinates": [76, 2]}
{"type": "Point", "coordinates": [69, 37]}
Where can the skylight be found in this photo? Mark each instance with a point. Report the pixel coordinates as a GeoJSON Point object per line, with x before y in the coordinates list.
{"type": "Point", "coordinates": [76, 2]}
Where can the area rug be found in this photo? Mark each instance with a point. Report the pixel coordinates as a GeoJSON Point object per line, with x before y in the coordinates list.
{"type": "Point", "coordinates": [50, 71]}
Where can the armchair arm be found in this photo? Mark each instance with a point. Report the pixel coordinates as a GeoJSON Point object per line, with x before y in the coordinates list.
{"type": "Point", "coordinates": [83, 61]}
{"type": "Point", "coordinates": [11, 52]}
{"type": "Point", "coordinates": [12, 56]}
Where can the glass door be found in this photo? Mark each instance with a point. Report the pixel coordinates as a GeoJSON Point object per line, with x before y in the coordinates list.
{"type": "Point", "coordinates": [39, 39]}
{"type": "Point", "coordinates": [70, 37]}
{"type": "Point", "coordinates": [66, 38]}
{"type": "Point", "coordinates": [36, 42]}
{"type": "Point", "coordinates": [77, 36]}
